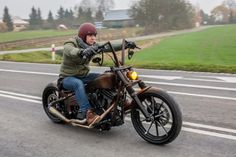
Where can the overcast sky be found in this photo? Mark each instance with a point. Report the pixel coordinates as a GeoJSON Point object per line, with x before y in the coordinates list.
{"type": "Point", "coordinates": [22, 8]}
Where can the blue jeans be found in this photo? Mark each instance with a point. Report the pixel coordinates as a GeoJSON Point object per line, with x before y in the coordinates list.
{"type": "Point", "coordinates": [76, 84]}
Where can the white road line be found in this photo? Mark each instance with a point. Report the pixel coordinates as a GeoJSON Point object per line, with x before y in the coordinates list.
{"type": "Point", "coordinates": [30, 72]}
{"type": "Point", "coordinates": [198, 131]}
{"type": "Point", "coordinates": [151, 82]}
{"type": "Point", "coordinates": [192, 86]}
{"type": "Point", "coordinates": [202, 95]}
{"type": "Point", "coordinates": [19, 98]}
{"type": "Point", "coordinates": [203, 132]}
{"type": "Point", "coordinates": [210, 127]}
{"type": "Point", "coordinates": [21, 95]}
{"type": "Point", "coordinates": [182, 78]}
{"type": "Point", "coordinates": [161, 77]}
{"type": "Point", "coordinates": [198, 95]}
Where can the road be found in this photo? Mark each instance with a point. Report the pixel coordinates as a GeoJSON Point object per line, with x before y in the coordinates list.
{"type": "Point", "coordinates": [207, 101]}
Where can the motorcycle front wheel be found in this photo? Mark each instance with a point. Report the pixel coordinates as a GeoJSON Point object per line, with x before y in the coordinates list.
{"type": "Point", "coordinates": [166, 118]}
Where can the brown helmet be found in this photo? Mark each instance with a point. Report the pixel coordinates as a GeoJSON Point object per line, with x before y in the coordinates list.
{"type": "Point", "coordinates": [86, 29]}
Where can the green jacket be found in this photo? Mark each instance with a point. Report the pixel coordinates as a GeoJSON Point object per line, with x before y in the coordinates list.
{"type": "Point", "coordinates": [72, 62]}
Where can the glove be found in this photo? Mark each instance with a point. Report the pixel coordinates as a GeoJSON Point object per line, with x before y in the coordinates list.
{"type": "Point", "coordinates": [130, 44]}
{"type": "Point", "coordinates": [89, 52]}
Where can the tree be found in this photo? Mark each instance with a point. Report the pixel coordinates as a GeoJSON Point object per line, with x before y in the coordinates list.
{"type": "Point", "coordinates": [61, 14]}
{"type": "Point", "coordinates": [231, 4]}
{"type": "Point", "coordinates": [50, 18]}
{"type": "Point", "coordinates": [7, 20]}
{"type": "Point", "coordinates": [88, 15]}
{"type": "Point", "coordinates": [33, 21]}
{"type": "Point", "coordinates": [159, 15]}
{"type": "Point", "coordinates": [99, 15]}
{"type": "Point", "coordinates": [221, 14]}
{"type": "Point", "coordinates": [50, 23]}
{"type": "Point", "coordinates": [105, 5]}
{"type": "Point", "coordinates": [39, 18]}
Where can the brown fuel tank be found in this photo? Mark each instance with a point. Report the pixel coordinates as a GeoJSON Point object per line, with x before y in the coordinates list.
{"type": "Point", "coordinates": [105, 81]}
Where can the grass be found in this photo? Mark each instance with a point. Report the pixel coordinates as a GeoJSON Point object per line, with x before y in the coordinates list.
{"type": "Point", "coordinates": [105, 34]}
{"type": "Point", "coordinates": [14, 36]}
{"type": "Point", "coordinates": [211, 50]}
{"type": "Point", "coordinates": [32, 57]}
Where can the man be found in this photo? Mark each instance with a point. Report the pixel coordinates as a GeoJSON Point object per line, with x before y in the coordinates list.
{"type": "Point", "coordinates": [74, 70]}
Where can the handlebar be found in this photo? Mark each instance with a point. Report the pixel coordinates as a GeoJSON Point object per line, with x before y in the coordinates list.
{"type": "Point", "coordinates": [103, 46]}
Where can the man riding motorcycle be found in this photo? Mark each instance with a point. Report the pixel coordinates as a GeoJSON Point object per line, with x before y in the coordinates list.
{"type": "Point", "coordinates": [74, 70]}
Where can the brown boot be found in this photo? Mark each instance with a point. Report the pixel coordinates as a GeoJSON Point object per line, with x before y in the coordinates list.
{"type": "Point", "coordinates": [91, 117]}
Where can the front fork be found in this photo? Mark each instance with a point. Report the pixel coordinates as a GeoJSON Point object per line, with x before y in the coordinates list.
{"type": "Point", "coordinates": [134, 95]}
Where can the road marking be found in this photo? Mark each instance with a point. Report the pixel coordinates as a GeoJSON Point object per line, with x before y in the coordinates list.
{"type": "Point", "coordinates": [192, 86]}
{"type": "Point", "coordinates": [203, 132]}
{"type": "Point", "coordinates": [210, 127]}
{"type": "Point", "coordinates": [182, 78]}
{"type": "Point", "coordinates": [198, 131]}
{"type": "Point", "coordinates": [151, 82]}
{"type": "Point", "coordinates": [202, 95]}
{"type": "Point", "coordinates": [19, 98]}
{"type": "Point", "coordinates": [29, 72]}
{"type": "Point", "coordinates": [161, 77]}
{"type": "Point", "coordinates": [22, 95]}
{"type": "Point", "coordinates": [220, 79]}
{"type": "Point", "coordinates": [228, 79]}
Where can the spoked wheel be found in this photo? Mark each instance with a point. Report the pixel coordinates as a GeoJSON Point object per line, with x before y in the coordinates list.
{"type": "Point", "coordinates": [51, 94]}
{"type": "Point", "coordinates": [166, 118]}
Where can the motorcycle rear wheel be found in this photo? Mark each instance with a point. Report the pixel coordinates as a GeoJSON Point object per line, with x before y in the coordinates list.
{"type": "Point", "coordinates": [50, 94]}
{"type": "Point", "coordinates": [166, 118]}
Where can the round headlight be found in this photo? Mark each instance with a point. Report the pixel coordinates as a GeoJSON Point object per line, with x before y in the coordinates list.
{"type": "Point", "coordinates": [132, 75]}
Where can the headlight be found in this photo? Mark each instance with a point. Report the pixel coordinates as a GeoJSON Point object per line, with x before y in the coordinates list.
{"type": "Point", "coordinates": [132, 75]}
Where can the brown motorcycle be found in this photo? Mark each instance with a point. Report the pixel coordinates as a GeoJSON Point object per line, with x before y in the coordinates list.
{"type": "Point", "coordinates": [155, 115]}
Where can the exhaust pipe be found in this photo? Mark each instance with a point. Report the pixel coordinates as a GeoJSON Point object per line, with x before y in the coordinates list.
{"type": "Point", "coordinates": [58, 114]}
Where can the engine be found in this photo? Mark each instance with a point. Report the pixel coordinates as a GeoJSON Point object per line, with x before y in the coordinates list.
{"type": "Point", "coordinates": [102, 98]}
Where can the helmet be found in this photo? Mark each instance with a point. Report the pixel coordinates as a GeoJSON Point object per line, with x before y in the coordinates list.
{"type": "Point", "coordinates": [86, 29]}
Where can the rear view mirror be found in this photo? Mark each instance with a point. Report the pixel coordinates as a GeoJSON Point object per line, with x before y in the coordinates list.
{"type": "Point", "coordinates": [130, 54]}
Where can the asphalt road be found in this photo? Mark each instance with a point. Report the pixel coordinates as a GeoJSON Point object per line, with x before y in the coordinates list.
{"type": "Point", "coordinates": [206, 99]}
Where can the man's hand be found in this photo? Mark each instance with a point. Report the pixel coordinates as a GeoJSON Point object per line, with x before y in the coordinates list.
{"type": "Point", "coordinates": [130, 44]}
{"type": "Point", "coordinates": [89, 52]}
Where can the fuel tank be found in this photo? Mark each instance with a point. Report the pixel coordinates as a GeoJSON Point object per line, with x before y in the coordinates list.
{"type": "Point", "coordinates": [105, 81]}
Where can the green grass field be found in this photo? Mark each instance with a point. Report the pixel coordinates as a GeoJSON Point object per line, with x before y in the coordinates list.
{"type": "Point", "coordinates": [13, 36]}
{"type": "Point", "coordinates": [211, 50]}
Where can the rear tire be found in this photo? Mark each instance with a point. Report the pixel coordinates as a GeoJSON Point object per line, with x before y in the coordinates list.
{"type": "Point", "coordinates": [166, 116]}
{"type": "Point", "coordinates": [51, 94]}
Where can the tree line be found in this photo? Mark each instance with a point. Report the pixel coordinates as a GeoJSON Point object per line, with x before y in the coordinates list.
{"type": "Point", "coordinates": [153, 15]}
{"type": "Point", "coordinates": [86, 11]}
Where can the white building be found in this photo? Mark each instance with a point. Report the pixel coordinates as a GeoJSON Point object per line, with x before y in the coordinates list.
{"type": "Point", "coordinates": [18, 23]}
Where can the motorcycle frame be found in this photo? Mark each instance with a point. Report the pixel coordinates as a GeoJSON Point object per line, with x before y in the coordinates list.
{"type": "Point", "coordinates": [127, 85]}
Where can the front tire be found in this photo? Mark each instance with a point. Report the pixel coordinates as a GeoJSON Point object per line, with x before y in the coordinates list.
{"type": "Point", "coordinates": [166, 118]}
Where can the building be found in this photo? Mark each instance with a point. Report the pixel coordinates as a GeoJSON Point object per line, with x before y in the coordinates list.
{"type": "Point", "coordinates": [18, 23]}
{"type": "Point", "coordinates": [118, 18]}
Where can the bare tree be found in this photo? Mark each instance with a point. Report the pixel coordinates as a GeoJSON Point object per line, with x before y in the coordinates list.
{"type": "Point", "coordinates": [105, 5]}
{"type": "Point", "coordinates": [159, 15]}
{"type": "Point", "coordinates": [231, 4]}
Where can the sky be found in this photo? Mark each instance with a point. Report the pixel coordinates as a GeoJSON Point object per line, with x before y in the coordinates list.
{"type": "Point", "coordinates": [22, 8]}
